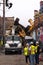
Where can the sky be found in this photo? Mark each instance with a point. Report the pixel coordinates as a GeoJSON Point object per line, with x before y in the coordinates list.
{"type": "Point", "coordinates": [23, 9]}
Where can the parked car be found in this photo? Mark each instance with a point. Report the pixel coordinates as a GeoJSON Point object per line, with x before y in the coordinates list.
{"type": "Point", "coordinates": [13, 43]}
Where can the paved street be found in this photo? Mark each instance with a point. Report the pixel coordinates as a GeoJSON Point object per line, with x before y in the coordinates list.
{"type": "Point", "coordinates": [13, 59]}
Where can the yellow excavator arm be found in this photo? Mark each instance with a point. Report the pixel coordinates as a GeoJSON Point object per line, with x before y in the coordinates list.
{"type": "Point", "coordinates": [31, 28]}
{"type": "Point", "coordinates": [22, 33]}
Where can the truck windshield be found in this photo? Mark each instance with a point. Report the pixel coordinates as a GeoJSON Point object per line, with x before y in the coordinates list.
{"type": "Point", "coordinates": [8, 38]}
{"type": "Point", "coordinates": [14, 38]}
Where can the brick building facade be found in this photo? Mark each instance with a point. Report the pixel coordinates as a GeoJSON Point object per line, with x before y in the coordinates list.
{"type": "Point", "coordinates": [9, 21]}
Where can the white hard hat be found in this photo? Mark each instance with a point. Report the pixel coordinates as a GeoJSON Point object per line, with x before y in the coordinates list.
{"type": "Point", "coordinates": [37, 42]}
{"type": "Point", "coordinates": [31, 42]}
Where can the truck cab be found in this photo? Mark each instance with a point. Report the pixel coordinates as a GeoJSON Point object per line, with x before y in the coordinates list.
{"type": "Point", "coordinates": [13, 43]}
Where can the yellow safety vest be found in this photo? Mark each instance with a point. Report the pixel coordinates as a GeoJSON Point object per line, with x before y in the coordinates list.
{"type": "Point", "coordinates": [26, 51]}
{"type": "Point", "coordinates": [36, 48]}
{"type": "Point", "coordinates": [32, 49]}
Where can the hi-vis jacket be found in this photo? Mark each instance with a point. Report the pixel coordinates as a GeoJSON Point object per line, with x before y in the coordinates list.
{"type": "Point", "coordinates": [32, 49]}
{"type": "Point", "coordinates": [36, 48]}
{"type": "Point", "coordinates": [26, 52]}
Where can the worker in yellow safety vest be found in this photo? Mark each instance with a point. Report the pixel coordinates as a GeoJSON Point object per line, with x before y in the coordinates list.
{"type": "Point", "coordinates": [32, 53]}
{"type": "Point", "coordinates": [26, 53]}
{"type": "Point", "coordinates": [38, 50]}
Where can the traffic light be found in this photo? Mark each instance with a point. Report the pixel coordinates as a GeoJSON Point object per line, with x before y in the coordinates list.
{"type": "Point", "coordinates": [6, 2]}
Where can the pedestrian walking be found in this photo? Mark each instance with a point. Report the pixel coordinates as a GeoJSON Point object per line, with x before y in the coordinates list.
{"type": "Point", "coordinates": [32, 53]}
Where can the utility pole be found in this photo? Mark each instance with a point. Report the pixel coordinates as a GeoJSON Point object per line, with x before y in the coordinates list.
{"type": "Point", "coordinates": [3, 21]}
{"type": "Point", "coordinates": [4, 3]}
